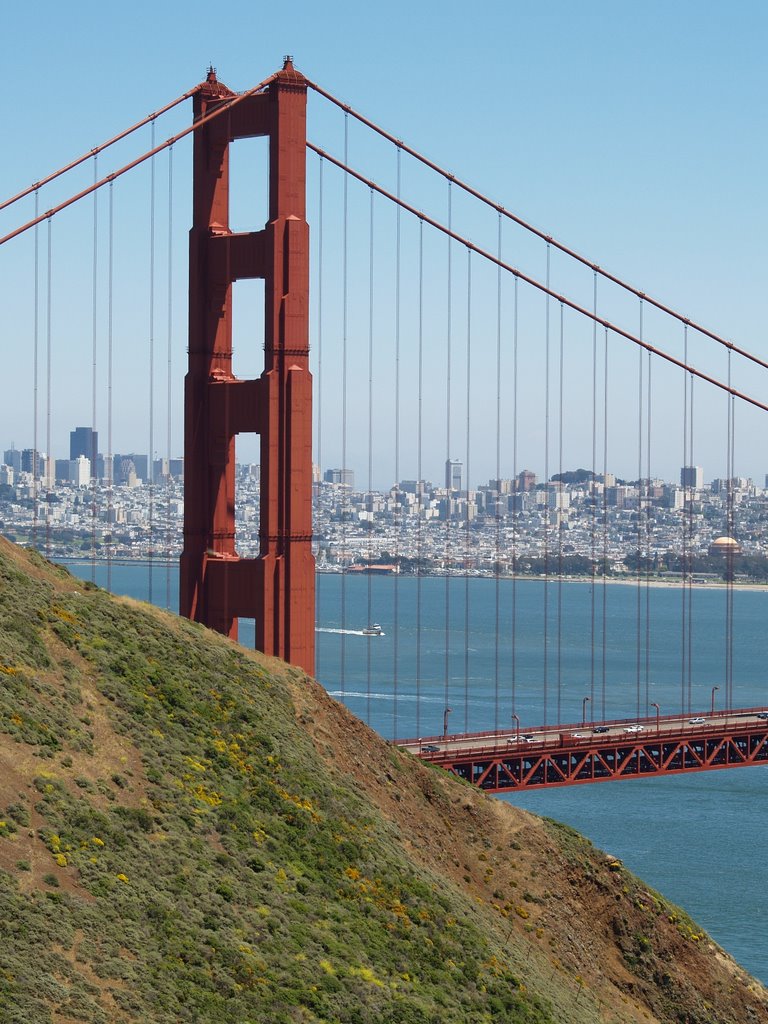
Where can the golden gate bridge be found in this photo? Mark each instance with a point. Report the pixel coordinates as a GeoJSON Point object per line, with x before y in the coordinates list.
{"type": "Point", "coordinates": [447, 324]}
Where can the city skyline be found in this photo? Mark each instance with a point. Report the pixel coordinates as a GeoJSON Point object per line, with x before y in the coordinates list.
{"type": "Point", "coordinates": [674, 225]}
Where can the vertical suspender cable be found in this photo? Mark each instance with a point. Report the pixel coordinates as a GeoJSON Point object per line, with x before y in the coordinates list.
{"type": "Point", "coordinates": [603, 682]}
{"type": "Point", "coordinates": [48, 403]}
{"type": "Point", "coordinates": [648, 529]}
{"type": "Point", "coordinates": [345, 314]}
{"type": "Point", "coordinates": [497, 510]}
{"type": "Point", "coordinates": [110, 467]}
{"type": "Point", "coordinates": [639, 532]}
{"type": "Point", "coordinates": [94, 325]}
{"type": "Point", "coordinates": [319, 348]}
{"type": "Point", "coordinates": [686, 566]}
{"type": "Point", "coordinates": [369, 581]}
{"type": "Point", "coordinates": [448, 481]}
{"type": "Point", "coordinates": [419, 476]}
{"type": "Point", "coordinates": [731, 575]}
{"type": "Point", "coordinates": [35, 381]}
{"type": "Point", "coordinates": [593, 496]}
{"type": "Point", "coordinates": [169, 388]}
{"type": "Point", "coordinates": [398, 492]}
{"type": "Point", "coordinates": [467, 521]}
{"type": "Point", "coordinates": [517, 494]}
{"type": "Point", "coordinates": [729, 555]}
{"type": "Point", "coordinates": [151, 454]}
{"type": "Point", "coordinates": [558, 514]}
{"type": "Point", "coordinates": [545, 672]}
{"type": "Point", "coordinates": [690, 543]}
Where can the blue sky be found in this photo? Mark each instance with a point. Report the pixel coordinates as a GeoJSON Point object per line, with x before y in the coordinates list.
{"type": "Point", "coordinates": [634, 133]}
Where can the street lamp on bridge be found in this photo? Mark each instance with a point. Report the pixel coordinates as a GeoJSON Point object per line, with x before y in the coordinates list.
{"type": "Point", "coordinates": [445, 722]}
{"type": "Point", "coordinates": [584, 710]}
{"type": "Point", "coordinates": [658, 711]}
{"type": "Point", "coordinates": [714, 691]}
{"type": "Point", "coordinates": [517, 721]}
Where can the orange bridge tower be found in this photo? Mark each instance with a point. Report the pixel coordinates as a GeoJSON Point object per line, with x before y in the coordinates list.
{"type": "Point", "coordinates": [218, 586]}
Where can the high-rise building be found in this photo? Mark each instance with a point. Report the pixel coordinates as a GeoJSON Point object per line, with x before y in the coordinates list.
{"type": "Point", "coordinates": [526, 480]}
{"type": "Point", "coordinates": [80, 471]}
{"type": "Point", "coordinates": [30, 461]}
{"type": "Point", "coordinates": [84, 441]}
{"type": "Point", "coordinates": [453, 469]}
{"type": "Point", "coordinates": [340, 476]}
{"type": "Point", "coordinates": [692, 476]}
{"type": "Point", "coordinates": [121, 467]}
{"type": "Point", "coordinates": [12, 458]}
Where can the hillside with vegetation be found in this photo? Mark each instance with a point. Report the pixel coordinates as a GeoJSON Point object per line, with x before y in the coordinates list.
{"type": "Point", "coordinates": [190, 832]}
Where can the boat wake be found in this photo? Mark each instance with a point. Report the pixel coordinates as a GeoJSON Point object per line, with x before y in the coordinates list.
{"type": "Point", "coordinates": [346, 632]}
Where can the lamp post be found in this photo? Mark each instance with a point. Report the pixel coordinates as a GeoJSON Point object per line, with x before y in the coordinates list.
{"type": "Point", "coordinates": [517, 721]}
{"type": "Point", "coordinates": [714, 691]}
{"type": "Point", "coordinates": [445, 722]}
{"type": "Point", "coordinates": [658, 710]}
{"type": "Point", "coordinates": [584, 710]}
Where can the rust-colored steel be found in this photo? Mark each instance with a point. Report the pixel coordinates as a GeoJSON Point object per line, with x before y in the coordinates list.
{"type": "Point", "coordinates": [217, 586]}
{"type": "Point", "coordinates": [569, 760]}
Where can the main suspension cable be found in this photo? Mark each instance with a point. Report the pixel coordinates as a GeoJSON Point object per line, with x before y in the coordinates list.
{"type": "Point", "coordinates": [533, 230]}
{"type": "Point", "coordinates": [195, 126]}
{"type": "Point", "coordinates": [100, 149]}
{"type": "Point", "coordinates": [527, 279]}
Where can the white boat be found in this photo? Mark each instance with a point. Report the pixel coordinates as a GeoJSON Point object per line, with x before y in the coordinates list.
{"type": "Point", "coordinates": [374, 630]}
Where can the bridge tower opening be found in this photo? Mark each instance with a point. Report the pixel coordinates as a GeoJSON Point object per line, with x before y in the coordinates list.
{"type": "Point", "coordinates": [217, 586]}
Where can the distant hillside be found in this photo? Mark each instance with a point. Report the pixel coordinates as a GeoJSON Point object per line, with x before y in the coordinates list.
{"type": "Point", "coordinates": [190, 832]}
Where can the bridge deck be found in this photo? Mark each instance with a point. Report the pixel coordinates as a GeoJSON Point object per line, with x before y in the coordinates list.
{"type": "Point", "coordinates": [570, 755]}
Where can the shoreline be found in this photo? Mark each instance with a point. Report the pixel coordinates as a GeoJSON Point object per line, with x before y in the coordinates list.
{"type": "Point", "coordinates": [599, 580]}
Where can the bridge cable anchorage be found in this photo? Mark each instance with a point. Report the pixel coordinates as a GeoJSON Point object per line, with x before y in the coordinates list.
{"type": "Point", "coordinates": [527, 279]}
{"type": "Point", "coordinates": [98, 149]}
{"type": "Point", "coordinates": [225, 106]}
{"type": "Point", "coordinates": [560, 246]}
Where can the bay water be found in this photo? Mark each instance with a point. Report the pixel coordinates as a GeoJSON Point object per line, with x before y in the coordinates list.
{"type": "Point", "coordinates": [449, 642]}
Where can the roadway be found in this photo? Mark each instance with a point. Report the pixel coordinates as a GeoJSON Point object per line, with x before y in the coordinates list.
{"type": "Point", "coordinates": [543, 737]}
